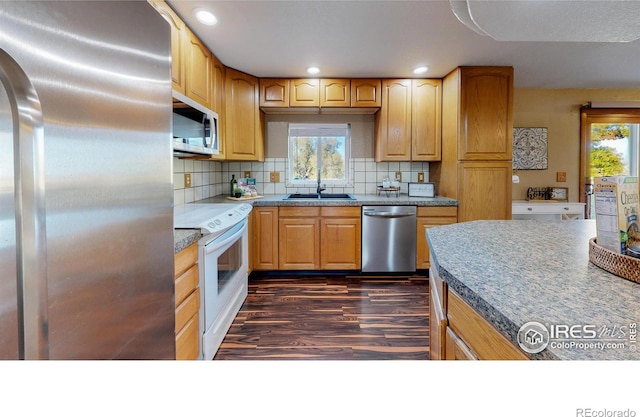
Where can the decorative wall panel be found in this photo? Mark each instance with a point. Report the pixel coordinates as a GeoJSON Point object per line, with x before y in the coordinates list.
{"type": "Point", "coordinates": [529, 148]}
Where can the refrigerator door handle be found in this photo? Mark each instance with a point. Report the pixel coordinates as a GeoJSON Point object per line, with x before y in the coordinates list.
{"type": "Point", "coordinates": [29, 179]}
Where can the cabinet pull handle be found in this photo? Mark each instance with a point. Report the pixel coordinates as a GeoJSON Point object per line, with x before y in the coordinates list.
{"type": "Point", "coordinates": [530, 208]}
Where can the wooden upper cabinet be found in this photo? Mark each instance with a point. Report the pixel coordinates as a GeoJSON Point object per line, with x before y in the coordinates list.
{"type": "Point", "coordinates": [198, 65]}
{"type": "Point", "coordinates": [486, 113]}
{"type": "Point", "coordinates": [274, 92]}
{"type": "Point", "coordinates": [393, 122]}
{"type": "Point", "coordinates": [426, 118]}
{"type": "Point", "coordinates": [218, 73]}
{"type": "Point", "coordinates": [335, 92]}
{"type": "Point", "coordinates": [305, 92]}
{"type": "Point", "coordinates": [244, 136]}
{"type": "Point", "coordinates": [178, 29]}
{"type": "Point", "coordinates": [365, 93]}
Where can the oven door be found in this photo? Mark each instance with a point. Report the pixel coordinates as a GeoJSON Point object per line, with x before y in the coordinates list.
{"type": "Point", "coordinates": [223, 284]}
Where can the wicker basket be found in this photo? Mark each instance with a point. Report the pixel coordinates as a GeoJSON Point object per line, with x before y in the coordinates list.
{"type": "Point", "coordinates": [624, 266]}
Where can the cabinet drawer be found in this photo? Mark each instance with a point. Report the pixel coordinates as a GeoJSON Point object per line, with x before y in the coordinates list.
{"type": "Point", "coordinates": [548, 208]}
{"type": "Point", "coordinates": [187, 309]}
{"type": "Point", "coordinates": [299, 211]}
{"type": "Point", "coordinates": [187, 341]}
{"type": "Point", "coordinates": [340, 211]}
{"type": "Point", "coordinates": [480, 336]}
{"type": "Point", "coordinates": [185, 258]}
{"type": "Point", "coordinates": [186, 283]}
{"type": "Point", "coordinates": [446, 211]}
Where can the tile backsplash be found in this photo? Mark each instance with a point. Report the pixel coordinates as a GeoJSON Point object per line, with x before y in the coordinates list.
{"type": "Point", "coordinates": [211, 178]}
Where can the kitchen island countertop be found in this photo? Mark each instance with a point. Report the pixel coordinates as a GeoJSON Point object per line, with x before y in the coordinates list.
{"type": "Point", "coordinates": [517, 271]}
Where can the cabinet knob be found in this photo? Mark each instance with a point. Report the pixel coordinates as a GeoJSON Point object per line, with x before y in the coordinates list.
{"type": "Point", "coordinates": [566, 208]}
{"type": "Point", "coordinates": [530, 208]}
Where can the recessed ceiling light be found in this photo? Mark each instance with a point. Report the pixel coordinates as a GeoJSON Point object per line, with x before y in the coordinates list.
{"type": "Point", "coordinates": [205, 17]}
{"type": "Point", "coordinates": [420, 70]}
{"type": "Point", "coordinates": [313, 70]}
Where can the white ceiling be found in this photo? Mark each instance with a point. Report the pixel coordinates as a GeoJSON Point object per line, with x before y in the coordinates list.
{"type": "Point", "coordinates": [388, 38]}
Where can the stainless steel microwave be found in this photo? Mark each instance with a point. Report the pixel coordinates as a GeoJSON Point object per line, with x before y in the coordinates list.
{"type": "Point", "coordinates": [195, 128]}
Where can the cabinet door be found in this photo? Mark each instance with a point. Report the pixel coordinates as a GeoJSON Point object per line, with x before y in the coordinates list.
{"type": "Point", "coordinates": [304, 93]}
{"type": "Point", "coordinates": [426, 104]}
{"type": "Point", "coordinates": [366, 93]}
{"type": "Point", "coordinates": [274, 92]}
{"type": "Point", "coordinates": [340, 247]}
{"type": "Point", "coordinates": [437, 324]}
{"type": "Point", "coordinates": [178, 37]}
{"type": "Point", "coordinates": [299, 240]}
{"type": "Point", "coordinates": [430, 217]}
{"type": "Point", "coordinates": [335, 92]}
{"type": "Point", "coordinates": [456, 349]}
{"type": "Point", "coordinates": [393, 122]}
{"type": "Point", "coordinates": [198, 66]}
{"type": "Point", "coordinates": [265, 238]}
{"type": "Point", "coordinates": [244, 122]}
{"type": "Point", "coordinates": [486, 106]}
{"type": "Point", "coordinates": [218, 72]}
{"type": "Point", "coordinates": [484, 191]}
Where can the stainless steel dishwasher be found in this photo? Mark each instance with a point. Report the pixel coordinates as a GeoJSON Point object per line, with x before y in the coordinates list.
{"type": "Point", "coordinates": [388, 238]}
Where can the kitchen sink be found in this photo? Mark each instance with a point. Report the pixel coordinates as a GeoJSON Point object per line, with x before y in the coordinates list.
{"type": "Point", "coordinates": [321, 196]}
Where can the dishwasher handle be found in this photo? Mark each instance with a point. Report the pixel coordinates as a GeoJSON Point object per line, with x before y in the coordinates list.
{"type": "Point", "coordinates": [387, 214]}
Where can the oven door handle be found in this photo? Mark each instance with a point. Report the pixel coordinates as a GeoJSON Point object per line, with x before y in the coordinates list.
{"type": "Point", "coordinates": [227, 238]}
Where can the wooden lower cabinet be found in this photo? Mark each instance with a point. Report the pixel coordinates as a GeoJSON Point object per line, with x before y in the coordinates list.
{"type": "Point", "coordinates": [299, 238]}
{"type": "Point", "coordinates": [427, 217]}
{"type": "Point", "coordinates": [340, 238]}
{"type": "Point", "coordinates": [187, 301]}
{"type": "Point", "coordinates": [306, 238]}
{"type": "Point", "coordinates": [456, 348]}
{"type": "Point", "coordinates": [264, 238]}
{"type": "Point", "coordinates": [458, 332]}
{"type": "Point", "coordinates": [437, 319]}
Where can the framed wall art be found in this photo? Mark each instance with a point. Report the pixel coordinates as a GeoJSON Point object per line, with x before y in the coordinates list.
{"type": "Point", "coordinates": [529, 148]}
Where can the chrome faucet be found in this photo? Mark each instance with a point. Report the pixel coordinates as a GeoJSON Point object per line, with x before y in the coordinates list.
{"type": "Point", "coordinates": [320, 187]}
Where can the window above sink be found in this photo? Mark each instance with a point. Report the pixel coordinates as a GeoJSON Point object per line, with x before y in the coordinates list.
{"type": "Point", "coordinates": [319, 148]}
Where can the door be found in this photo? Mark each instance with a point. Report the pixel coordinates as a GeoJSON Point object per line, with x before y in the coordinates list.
{"type": "Point", "coordinates": [610, 140]}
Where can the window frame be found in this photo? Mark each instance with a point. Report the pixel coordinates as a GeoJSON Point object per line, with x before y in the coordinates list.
{"type": "Point", "coordinates": [346, 182]}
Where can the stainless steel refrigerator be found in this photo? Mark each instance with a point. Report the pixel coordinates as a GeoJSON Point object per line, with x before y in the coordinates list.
{"type": "Point", "coordinates": [86, 194]}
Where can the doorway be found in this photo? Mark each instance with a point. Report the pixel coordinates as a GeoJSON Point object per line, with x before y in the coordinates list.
{"type": "Point", "coordinates": [610, 139]}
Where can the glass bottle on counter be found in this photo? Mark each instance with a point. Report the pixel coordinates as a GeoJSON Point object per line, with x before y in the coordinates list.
{"type": "Point", "coordinates": [233, 184]}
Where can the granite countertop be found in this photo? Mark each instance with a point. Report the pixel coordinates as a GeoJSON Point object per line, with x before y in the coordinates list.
{"type": "Point", "coordinates": [361, 200]}
{"type": "Point", "coordinates": [185, 237]}
{"type": "Point", "coordinates": [182, 238]}
{"type": "Point", "coordinates": [514, 272]}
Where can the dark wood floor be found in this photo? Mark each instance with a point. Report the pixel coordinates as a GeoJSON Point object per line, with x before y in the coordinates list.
{"type": "Point", "coordinates": [335, 318]}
